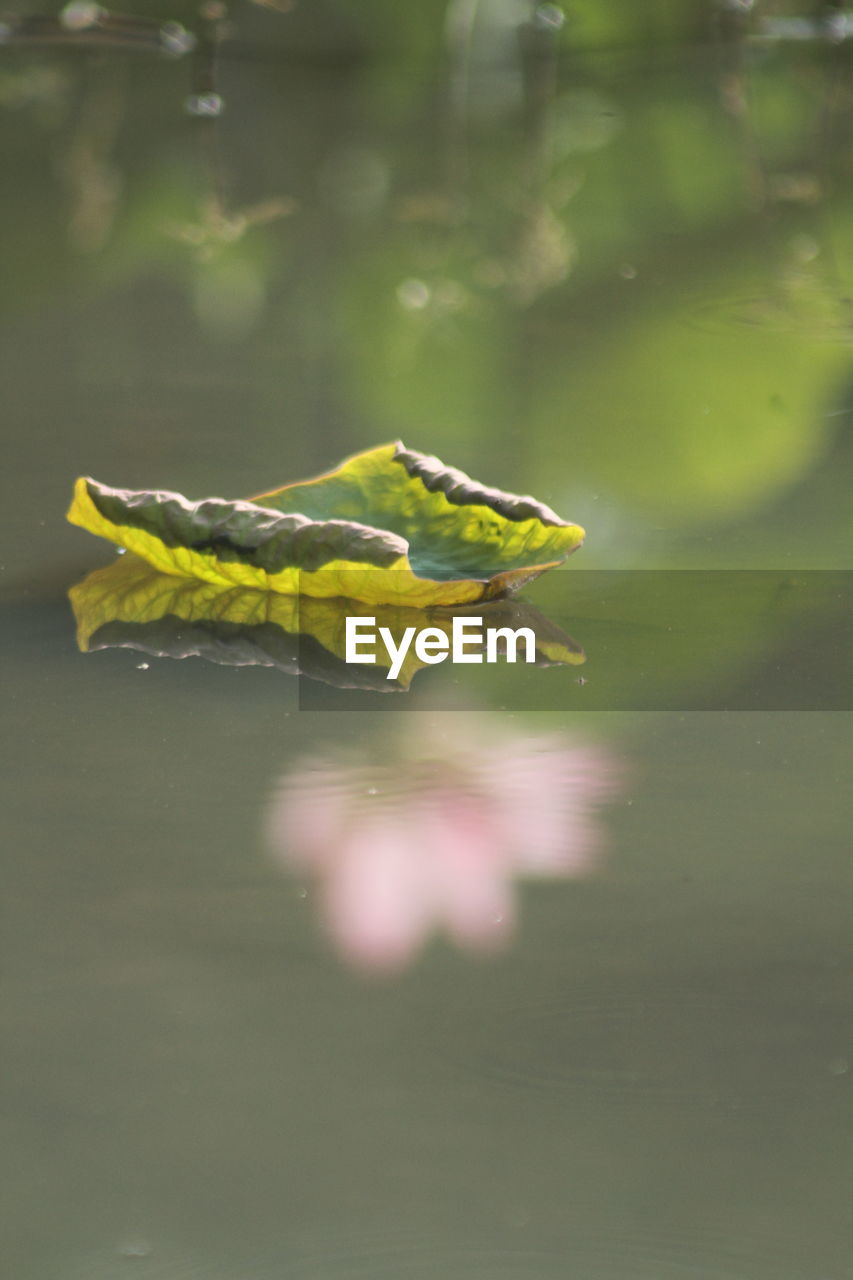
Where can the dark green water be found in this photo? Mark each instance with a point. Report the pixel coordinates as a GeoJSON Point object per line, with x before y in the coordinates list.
{"type": "Point", "coordinates": [493, 986]}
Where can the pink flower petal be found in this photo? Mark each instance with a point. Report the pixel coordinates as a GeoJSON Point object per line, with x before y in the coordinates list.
{"type": "Point", "coordinates": [377, 908]}
{"type": "Point", "coordinates": [308, 815]}
{"type": "Point", "coordinates": [467, 868]}
{"type": "Point", "coordinates": [546, 793]}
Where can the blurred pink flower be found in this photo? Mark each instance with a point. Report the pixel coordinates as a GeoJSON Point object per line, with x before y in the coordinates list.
{"type": "Point", "coordinates": [436, 839]}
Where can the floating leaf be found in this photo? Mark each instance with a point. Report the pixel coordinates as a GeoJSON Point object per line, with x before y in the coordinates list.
{"type": "Point", "coordinates": [389, 526]}
{"type": "Point", "coordinates": [129, 604]}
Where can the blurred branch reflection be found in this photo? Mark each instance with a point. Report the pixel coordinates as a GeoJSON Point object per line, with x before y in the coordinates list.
{"type": "Point", "coordinates": [432, 830]}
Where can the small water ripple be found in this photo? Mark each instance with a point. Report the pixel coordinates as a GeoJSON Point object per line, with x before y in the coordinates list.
{"type": "Point", "coordinates": [703, 1254]}
{"type": "Point", "coordinates": [712, 1050]}
{"type": "Point", "coordinates": [826, 319]}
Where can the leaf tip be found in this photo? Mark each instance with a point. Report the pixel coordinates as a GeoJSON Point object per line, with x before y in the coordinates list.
{"type": "Point", "coordinates": [80, 500]}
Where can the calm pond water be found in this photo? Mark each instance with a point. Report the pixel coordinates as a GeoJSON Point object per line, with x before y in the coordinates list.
{"type": "Point", "coordinates": [548, 974]}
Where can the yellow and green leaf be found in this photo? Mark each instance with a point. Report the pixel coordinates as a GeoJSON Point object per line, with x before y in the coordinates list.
{"type": "Point", "coordinates": [389, 526]}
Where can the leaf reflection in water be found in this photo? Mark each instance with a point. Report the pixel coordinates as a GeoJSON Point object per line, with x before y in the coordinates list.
{"type": "Point", "coordinates": [130, 605]}
{"type": "Point", "coordinates": [433, 836]}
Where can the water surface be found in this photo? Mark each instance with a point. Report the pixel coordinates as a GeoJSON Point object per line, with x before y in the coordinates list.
{"type": "Point", "coordinates": [605, 265]}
